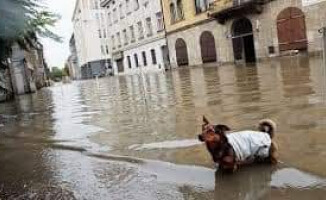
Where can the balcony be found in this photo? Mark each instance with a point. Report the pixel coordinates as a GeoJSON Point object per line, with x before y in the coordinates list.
{"type": "Point", "coordinates": [224, 10]}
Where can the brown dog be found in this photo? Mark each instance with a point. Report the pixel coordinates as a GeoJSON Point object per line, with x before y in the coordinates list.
{"type": "Point", "coordinates": [235, 149]}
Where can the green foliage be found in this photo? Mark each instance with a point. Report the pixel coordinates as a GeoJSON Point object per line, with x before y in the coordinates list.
{"type": "Point", "coordinates": [56, 74]}
{"type": "Point", "coordinates": [23, 21]}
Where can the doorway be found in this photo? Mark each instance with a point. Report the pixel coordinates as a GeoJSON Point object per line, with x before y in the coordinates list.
{"type": "Point", "coordinates": [243, 41]}
{"type": "Point", "coordinates": [120, 66]}
{"type": "Point", "coordinates": [181, 52]}
{"type": "Point", "coordinates": [291, 30]}
{"type": "Point", "coordinates": [207, 46]}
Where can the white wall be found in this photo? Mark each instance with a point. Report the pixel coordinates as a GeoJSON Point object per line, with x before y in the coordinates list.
{"type": "Point", "coordinates": [87, 22]}
{"type": "Point", "coordinates": [147, 8]}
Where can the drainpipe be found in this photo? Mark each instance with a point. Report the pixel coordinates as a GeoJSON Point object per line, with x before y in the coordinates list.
{"type": "Point", "coordinates": [165, 34]}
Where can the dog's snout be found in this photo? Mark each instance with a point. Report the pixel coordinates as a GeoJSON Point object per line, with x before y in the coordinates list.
{"type": "Point", "coordinates": [200, 138]}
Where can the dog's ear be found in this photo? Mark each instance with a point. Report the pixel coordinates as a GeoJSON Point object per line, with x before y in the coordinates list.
{"type": "Point", "coordinates": [205, 120]}
{"type": "Point", "coordinates": [205, 123]}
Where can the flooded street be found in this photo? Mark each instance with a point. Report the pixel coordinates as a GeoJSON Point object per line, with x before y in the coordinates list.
{"type": "Point", "coordinates": [135, 137]}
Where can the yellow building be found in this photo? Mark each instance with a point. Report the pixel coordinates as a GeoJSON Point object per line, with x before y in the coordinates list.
{"type": "Point", "coordinates": [192, 34]}
{"type": "Point", "coordinates": [219, 31]}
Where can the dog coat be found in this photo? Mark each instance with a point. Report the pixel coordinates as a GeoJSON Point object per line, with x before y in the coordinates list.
{"type": "Point", "coordinates": [249, 144]}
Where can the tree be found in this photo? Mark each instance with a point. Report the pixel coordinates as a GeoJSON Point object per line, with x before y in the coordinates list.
{"type": "Point", "coordinates": [22, 22]}
{"type": "Point", "coordinates": [56, 74]}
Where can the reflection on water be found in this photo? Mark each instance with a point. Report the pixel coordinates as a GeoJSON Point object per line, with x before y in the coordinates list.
{"type": "Point", "coordinates": [58, 132]}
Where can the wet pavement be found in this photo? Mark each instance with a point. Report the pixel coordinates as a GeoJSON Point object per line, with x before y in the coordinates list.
{"type": "Point", "coordinates": [134, 137]}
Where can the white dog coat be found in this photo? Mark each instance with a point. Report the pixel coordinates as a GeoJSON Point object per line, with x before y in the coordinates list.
{"type": "Point", "coordinates": [249, 144]}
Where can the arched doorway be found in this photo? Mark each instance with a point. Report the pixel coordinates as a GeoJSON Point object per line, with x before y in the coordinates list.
{"type": "Point", "coordinates": [291, 30]}
{"type": "Point", "coordinates": [207, 45]}
{"type": "Point", "coordinates": [181, 52]}
{"type": "Point", "coordinates": [243, 41]}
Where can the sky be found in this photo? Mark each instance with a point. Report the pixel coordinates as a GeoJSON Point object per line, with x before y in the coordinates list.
{"type": "Point", "coordinates": [57, 53]}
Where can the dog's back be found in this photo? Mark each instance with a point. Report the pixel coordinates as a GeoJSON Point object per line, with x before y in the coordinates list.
{"type": "Point", "coordinates": [249, 144]}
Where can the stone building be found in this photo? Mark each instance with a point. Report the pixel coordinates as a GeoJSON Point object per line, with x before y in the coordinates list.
{"type": "Point", "coordinates": [137, 35]}
{"type": "Point", "coordinates": [91, 38]}
{"type": "Point", "coordinates": [6, 91]}
{"type": "Point", "coordinates": [28, 69]}
{"type": "Point", "coordinates": [218, 31]}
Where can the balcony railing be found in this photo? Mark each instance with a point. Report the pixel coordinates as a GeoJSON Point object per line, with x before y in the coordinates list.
{"type": "Point", "coordinates": [225, 9]}
{"type": "Point", "coordinates": [219, 5]}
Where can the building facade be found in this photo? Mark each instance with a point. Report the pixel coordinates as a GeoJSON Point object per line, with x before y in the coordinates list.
{"type": "Point", "coordinates": [91, 39]}
{"type": "Point", "coordinates": [6, 91]}
{"type": "Point", "coordinates": [28, 69]}
{"type": "Point", "coordinates": [218, 31]}
{"type": "Point", "coordinates": [137, 35]}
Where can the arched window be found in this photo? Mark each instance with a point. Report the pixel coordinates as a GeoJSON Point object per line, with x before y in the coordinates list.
{"type": "Point", "coordinates": [172, 13]}
{"type": "Point", "coordinates": [180, 9]}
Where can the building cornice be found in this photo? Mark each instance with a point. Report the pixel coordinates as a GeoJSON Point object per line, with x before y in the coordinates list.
{"type": "Point", "coordinates": [169, 32]}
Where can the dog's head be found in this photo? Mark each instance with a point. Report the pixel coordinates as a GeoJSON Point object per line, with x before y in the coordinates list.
{"type": "Point", "coordinates": [212, 133]}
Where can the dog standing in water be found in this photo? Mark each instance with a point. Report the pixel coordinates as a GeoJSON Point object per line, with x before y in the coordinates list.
{"type": "Point", "coordinates": [232, 150]}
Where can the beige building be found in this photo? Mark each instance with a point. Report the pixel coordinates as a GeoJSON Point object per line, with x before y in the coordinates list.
{"type": "Point", "coordinates": [218, 31]}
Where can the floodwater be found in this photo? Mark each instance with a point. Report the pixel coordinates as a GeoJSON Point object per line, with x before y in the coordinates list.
{"type": "Point", "coordinates": [135, 137]}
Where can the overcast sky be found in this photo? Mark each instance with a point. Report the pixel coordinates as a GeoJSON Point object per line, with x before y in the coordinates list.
{"type": "Point", "coordinates": [57, 53]}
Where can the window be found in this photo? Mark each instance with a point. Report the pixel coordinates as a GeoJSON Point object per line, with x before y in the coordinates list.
{"type": "Point", "coordinates": [132, 33]}
{"type": "Point", "coordinates": [119, 40]}
{"type": "Point", "coordinates": [113, 41]}
{"type": "Point", "coordinates": [102, 17]}
{"type": "Point", "coordinates": [96, 5]}
{"type": "Point", "coordinates": [201, 5]}
{"type": "Point", "coordinates": [121, 11]}
{"type": "Point", "coordinates": [144, 58]}
{"type": "Point", "coordinates": [129, 61]}
{"type": "Point", "coordinates": [110, 19]}
{"type": "Point", "coordinates": [160, 22]}
{"type": "Point", "coordinates": [93, 4]}
{"type": "Point", "coordinates": [136, 4]}
{"type": "Point", "coordinates": [115, 15]}
{"type": "Point", "coordinates": [104, 33]}
{"type": "Point", "coordinates": [102, 50]}
{"type": "Point", "coordinates": [107, 49]}
{"type": "Point", "coordinates": [136, 60]}
{"type": "Point", "coordinates": [128, 10]}
{"type": "Point", "coordinates": [154, 61]}
{"type": "Point", "coordinates": [172, 13]}
{"type": "Point", "coordinates": [125, 37]}
{"type": "Point", "coordinates": [140, 30]}
{"type": "Point", "coordinates": [99, 33]}
{"type": "Point", "coordinates": [149, 27]}
{"type": "Point", "coordinates": [179, 10]}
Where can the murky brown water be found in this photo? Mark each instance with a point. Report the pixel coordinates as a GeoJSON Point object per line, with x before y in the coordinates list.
{"type": "Point", "coordinates": [119, 139]}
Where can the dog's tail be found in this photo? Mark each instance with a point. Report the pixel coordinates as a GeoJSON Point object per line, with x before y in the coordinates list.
{"type": "Point", "coordinates": [267, 126]}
